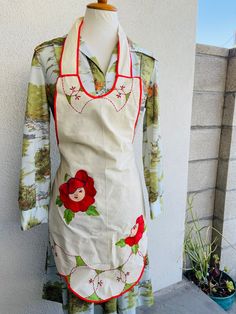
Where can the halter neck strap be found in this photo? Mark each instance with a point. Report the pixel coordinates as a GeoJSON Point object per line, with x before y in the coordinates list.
{"type": "Point", "coordinates": [69, 63]}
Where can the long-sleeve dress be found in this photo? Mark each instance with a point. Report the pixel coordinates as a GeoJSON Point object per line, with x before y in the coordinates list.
{"type": "Point", "coordinates": [35, 177]}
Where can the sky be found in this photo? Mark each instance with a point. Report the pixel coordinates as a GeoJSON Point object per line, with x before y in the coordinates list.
{"type": "Point", "coordinates": [216, 23]}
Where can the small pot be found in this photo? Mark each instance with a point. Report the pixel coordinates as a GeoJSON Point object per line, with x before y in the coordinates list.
{"type": "Point", "coordinates": [225, 302]}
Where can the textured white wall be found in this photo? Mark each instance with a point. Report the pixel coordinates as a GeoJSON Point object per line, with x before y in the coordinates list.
{"type": "Point", "coordinates": [165, 26]}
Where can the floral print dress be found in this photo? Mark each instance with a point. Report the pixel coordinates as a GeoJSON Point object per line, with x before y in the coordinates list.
{"type": "Point", "coordinates": [35, 177]}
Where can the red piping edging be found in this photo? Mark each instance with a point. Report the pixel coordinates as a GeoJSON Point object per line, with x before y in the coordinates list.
{"type": "Point", "coordinates": [117, 68]}
{"type": "Point", "coordinates": [55, 110]}
{"type": "Point", "coordinates": [121, 75]}
{"type": "Point", "coordinates": [77, 68]}
{"type": "Point", "coordinates": [101, 301]}
{"type": "Point", "coordinates": [99, 96]}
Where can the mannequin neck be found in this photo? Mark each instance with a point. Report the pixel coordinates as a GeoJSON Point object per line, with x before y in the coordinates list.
{"type": "Point", "coordinates": [100, 33]}
{"type": "Point", "coordinates": [101, 18]}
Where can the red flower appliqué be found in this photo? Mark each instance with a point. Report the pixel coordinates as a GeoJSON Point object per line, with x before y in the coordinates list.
{"type": "Point", "coordinates": [78, 192]}
{"type": "Point", "coordinates": [135, 235]}
{"type": "Point", "coordinates": [136, 232]}
{"type": "Point", "coordinates": [77, 195]}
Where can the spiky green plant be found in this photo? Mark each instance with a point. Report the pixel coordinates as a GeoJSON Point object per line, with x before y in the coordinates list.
{"type": "Point", "coordinates": [198, 250]}
{"type": "Point", "coordinates": [197, 247]}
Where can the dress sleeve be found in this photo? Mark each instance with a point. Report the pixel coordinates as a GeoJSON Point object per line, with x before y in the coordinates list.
{"type": "Point", "coordinates": [152, 146]}
{"type": "Point", "coordinates": [35, 171]}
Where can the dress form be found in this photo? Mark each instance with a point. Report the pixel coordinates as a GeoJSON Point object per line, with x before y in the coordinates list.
{"type": "Point", "coordinates": [100, 33]}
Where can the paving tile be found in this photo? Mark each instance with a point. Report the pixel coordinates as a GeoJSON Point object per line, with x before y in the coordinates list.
{"type": "Point", "coordinates": [182, 298]}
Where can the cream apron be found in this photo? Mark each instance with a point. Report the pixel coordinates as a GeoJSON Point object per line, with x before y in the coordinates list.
{"type": "Point", "coordinates": [97, 226]}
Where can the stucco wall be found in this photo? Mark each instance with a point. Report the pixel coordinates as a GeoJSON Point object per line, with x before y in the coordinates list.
{"type": "Point", "coordinates": [165, 26]}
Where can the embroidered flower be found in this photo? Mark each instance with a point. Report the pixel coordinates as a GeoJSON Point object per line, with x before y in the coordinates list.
{"type": "Point", "coordinates": [136, 232]}
{"type": "Point", "coordinates": [73, 88]}
{"type": "Point", "coordinates": [121, 91]}
{"type": "Point", "coordinates": [100, 282]}
{"type": "Point", "coordinates": [77, 194]}
{"type": "Point", "coordinates": [135, 235]}
{"type": "Point", "coordinates": [74, 94]}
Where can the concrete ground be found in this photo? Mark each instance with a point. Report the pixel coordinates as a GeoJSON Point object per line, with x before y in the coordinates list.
{"type": "Point", "coordinates": [183, 298]}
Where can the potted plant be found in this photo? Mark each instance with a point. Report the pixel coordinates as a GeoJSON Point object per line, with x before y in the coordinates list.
{"type": "Point", "coordinates": [204, 270]}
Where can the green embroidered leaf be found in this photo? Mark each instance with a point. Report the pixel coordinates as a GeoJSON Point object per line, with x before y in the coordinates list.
{"type": "Point", "coordinates": [68, 98]}
{"type": "Point", "coordinates": [58, 201]}
{"type": "Point", "coordinates": [68, 215]}
{"type": "Point", "coordinates": [98, 271]}
{"type": "Point", "coordinates": [66, 177]}
{"type": "Point", "coordinates": [127, 96]}
{"type": "Point", "coordinates": [80, 261]}
{"type": "Point", "coordinates": [121, 243]}
{"type": "Point", "coordinates": [94, 297]}
{"type": "Point", "coordinates": [91, 211]}
{"type": "Point", "coordinates": [135, 248]}
{"type": "Point", "coordinates": [145, 228]}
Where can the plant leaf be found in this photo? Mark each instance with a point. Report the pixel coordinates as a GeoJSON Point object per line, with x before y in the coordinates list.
{"type": "Point", "coordinates": [68, 98]}
{"type": "Point", "coordinates": [80, 261]}
{"type": "Point", "coordinates": [127, 96]}
{"type": "Point", "coordinates": [94, 296]}
{"type": "Point", "coordinates": [98, 271]}
{"type": "Point", "coordinates": [66, 177]}
{"type": "Point", "coordinates": [91, 211]}
{"type": "Point", "coordinates": [121, 243]}
{"type": "Point", "coordinates": [58, 201]}
{"type": "Point", "coordinates": [135, 248]}
{"type": "Point", "coordinates": [68, 215]}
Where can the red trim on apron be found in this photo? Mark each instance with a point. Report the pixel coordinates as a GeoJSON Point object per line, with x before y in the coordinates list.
{"type": "Point", "coordinates": [101, 301]}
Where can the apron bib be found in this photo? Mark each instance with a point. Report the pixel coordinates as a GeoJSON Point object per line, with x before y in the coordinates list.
{"type": "Point", "coordinates": [97, 224]}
